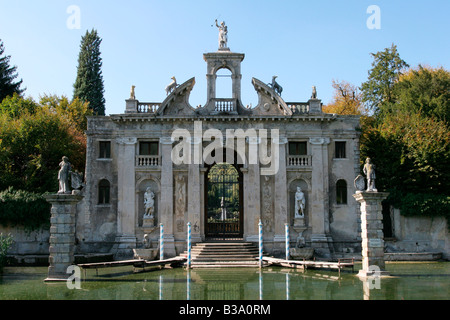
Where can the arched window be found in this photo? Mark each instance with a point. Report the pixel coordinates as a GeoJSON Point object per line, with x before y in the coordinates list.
{"type": "Point", "coordinates": [103, 192]}
{"type": "Point", "coordinates": [224, 83]}
{"type": "Point", "coordinates": [341, 192]}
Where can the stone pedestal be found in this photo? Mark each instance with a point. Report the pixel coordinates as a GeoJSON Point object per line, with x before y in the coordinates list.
{"type": "Point", "coordinates": [372, 233]}
{"type": "Point", "coordinates": [62, 234]}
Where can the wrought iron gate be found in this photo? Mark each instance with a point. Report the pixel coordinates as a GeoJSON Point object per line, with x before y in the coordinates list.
{"type": "Point", "coordinates": [224, 202]}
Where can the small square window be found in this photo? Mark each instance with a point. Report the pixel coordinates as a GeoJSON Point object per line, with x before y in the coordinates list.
{"type": "Point", "coordinates": [340, 150]}
{"type": "Point", "coordinates": [105, 149]}
{"type": "Point", "coordinates": [148, 148]}
{"type": "Point", "coordinates": [297, 148]}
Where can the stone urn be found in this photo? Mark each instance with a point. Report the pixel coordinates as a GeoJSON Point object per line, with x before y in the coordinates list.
{"type": "Point", "coordinates": [301, 253]}
{"type": "Point", "coordinates": [146, 254]}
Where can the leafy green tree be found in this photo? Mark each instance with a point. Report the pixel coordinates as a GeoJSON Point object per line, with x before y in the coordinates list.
{"type": "Point", "coordinates": [378, 91]}
{"type": "Point", "coordinates": [32, 145]}
{"type": "Point", "coordinates": [425, 90]}
{"type": "Point", "coordinates": [8, 74]}
{"type": "Point", "coordinates": [88, 85]}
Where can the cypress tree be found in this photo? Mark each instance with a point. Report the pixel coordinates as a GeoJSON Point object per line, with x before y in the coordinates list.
{"type": "Point", "coordinates": [7, 75]}
{"type": "Point", "coordinates": [89, 82]}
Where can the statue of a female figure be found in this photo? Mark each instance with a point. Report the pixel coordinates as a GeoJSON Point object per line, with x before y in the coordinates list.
{"type": "Point", "coordinates": [223, 34]}
{"type": "Point", "coordinates": [63, 176]}
{"type": "Point", "coordinates": [299, 203]}
{"type": "Point", "coordinates": [149, 203]}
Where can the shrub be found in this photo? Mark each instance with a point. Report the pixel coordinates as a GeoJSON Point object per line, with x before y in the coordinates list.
{"type": "Point", "coordinates": [5, 244]}
{"type": "Point", "coordinates": [23, 208]}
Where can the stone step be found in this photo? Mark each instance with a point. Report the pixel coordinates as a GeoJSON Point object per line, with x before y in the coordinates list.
{"type": "Point", "coordinates": [223, 254]}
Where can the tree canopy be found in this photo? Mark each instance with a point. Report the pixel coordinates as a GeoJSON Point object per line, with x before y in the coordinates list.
{"type": "Point", "coordinates": [408, 136]}
{"type": "Point", "coordinates": [34, 137]}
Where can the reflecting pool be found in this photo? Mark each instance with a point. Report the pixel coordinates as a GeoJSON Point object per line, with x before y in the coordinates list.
{"type": "Point", "coordinates": [409, 281]}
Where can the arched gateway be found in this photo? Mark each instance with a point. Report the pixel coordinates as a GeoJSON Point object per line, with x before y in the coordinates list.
{"type": "Point", "coordinates": [224, 202]}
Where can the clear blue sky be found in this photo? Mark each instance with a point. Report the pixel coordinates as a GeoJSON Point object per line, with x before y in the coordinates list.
{"type": "Point", "coordinates": [145, 43]}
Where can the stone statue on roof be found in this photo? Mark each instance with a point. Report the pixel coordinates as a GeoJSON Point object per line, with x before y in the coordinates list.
{"type": "Point", "coordinates": [223, 35]}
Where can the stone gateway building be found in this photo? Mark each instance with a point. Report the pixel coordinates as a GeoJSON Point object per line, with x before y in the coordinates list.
{"type": "Point", "coordinates": [223, 167]}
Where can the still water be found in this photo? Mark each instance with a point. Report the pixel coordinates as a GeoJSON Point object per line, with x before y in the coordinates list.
{"type": "Point", "coordinates": [410, 281]}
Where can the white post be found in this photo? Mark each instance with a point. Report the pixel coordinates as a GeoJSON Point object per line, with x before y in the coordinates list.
{"type": "Point", "coordinates": [260, 232]}
{"type": "Point", "coordinates": [189, 245]}
{"type": "Point", "coordinates": [161, 241]}
{"type": "Point", "coordinates": [286, 228]}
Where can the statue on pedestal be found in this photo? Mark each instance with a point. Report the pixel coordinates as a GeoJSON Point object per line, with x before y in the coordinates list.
{"type": "Point", "coordinates": [369, 171]}
{"type": "Point", "coordinates": [223, 35]}
{"type": "Point", "coordinates": [63, 176]}
{"type": "Point", "coordinates": [314, 93]}
{"type": "Point", "coordinates": [149, 203]}
{"type": "Point", "coordinates": [299, 203]}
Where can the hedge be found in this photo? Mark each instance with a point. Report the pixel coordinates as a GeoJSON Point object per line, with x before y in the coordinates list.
{"type": "Point", "coordinates": [22, 208]}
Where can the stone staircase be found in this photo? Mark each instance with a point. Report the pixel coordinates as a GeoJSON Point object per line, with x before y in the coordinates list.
{"type": "Point", "coordinates": [223, 254]}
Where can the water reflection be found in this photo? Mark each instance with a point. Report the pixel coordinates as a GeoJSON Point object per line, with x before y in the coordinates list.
{"type": "Point", "coordinates": [419, 281]}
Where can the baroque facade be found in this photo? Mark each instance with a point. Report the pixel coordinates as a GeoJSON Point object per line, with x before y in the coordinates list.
{"type": "Point", "coordinates": [222, 167]}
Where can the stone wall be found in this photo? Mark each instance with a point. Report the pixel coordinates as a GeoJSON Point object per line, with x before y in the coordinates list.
{"type": "Point", "coordinates": [419, 234]}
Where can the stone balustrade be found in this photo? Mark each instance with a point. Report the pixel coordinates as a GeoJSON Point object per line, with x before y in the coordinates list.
{"type": "Point", "coordinates": [224, 105]}
{"type": "Point", "coordinates": [298, 107]}
{"type": "Point", "coordinates": [147, 161]}
{"type": "Point", "coordinates": [300, 161]}
{"type": "Point", "coordinates": [148, 107]}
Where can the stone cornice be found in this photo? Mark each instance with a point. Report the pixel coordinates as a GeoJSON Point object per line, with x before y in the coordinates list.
{"type": "Point", "coordinates": [119, 118]}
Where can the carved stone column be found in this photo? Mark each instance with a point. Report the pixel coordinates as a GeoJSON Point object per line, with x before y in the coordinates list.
{"type": "Point", "coordinates": [126, 224]}
{"type": "Point", "coordinates": [281, 195]}
{"type": "Point", "coordinates": [319, 196]}
{"type": "Point", "coordinates": [166, 205]}
{"type": "Point", "coordinates": [252, 195]}
{"type": "Point", "coordinates": [194, 194]}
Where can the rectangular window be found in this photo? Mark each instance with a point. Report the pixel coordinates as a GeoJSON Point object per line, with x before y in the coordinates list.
{"type": "Point", "coordinates": [340, 150]}
{"type": "Point", "coordinates": [103, 192]}
{"type": "Point", "coordinates": [148, 148]}
{"type": "Point", "coordinates": [341, 192]}
{"type": "Point", "coordinates": [297, 148]}
{"type": "Point", "coordinates": [105, 149]}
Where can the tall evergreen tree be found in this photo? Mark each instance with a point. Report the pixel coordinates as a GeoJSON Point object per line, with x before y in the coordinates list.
{"type": "Point", "coordinates": [7, 75]}
{"type": "Point", "coordinates": [378, 90]}
{"type": "Point", "coordinates": [89, 83]}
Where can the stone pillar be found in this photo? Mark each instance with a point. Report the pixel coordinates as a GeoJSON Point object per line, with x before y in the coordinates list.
{"type": "Point", "coordinates": [126, 224]}
{"type": "Point", "coordinates": [194, 193]}
{"type": "Point", "coordinates": [166, 204]}
{"type": "Point", "coordinates": [372, 233]}
{"type": "Point", "coordinates": [281, 195]}
{"type": "Point", "coordinates": [252, 195]}
{"type": "Point", "coordinates": [319, 196]}
{"type": "Point", "coordinates": [62, 234]}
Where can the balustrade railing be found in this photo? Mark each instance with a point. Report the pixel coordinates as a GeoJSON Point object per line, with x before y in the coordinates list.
{"type": "Point", "coordinates": [298, 107]}
{"type": "Point", "coordinates": [147, 161]}
{"type": "Point", "coordinates": [148, 107]}
{"type": "Point", "coordinates": [299, 161]}
{"type": "Point", "coordinates": [224, 105]}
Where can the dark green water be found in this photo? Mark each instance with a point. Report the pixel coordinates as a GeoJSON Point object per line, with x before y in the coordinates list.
{"type": "Point", "coordinates": [410, 281]}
